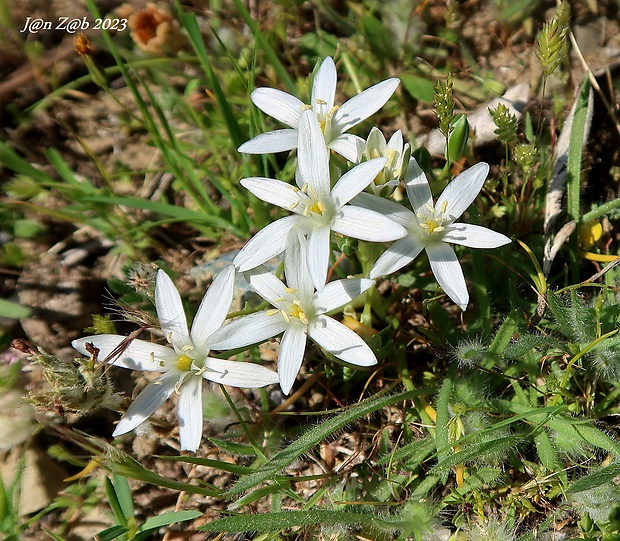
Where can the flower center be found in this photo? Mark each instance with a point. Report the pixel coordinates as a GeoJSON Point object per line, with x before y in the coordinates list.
{"type": "Point", "coordinates": [297, 311]}
{"type": "Point", "coordinates": [434, 219]}
{"type": "Point", "coordinates": [316, 208]}
{"type": "Point", "coordinates": [324, 117]}
{"type": "Point", "coordinates": [184, 363]}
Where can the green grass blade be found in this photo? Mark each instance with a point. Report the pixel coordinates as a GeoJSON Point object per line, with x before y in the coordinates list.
{"type": "Point", "coordinates": [188, 20]}
{"type": "Point", "coordinates": [165, 209]}
{"type": "Point", "coordinates": [12, 310]}
{"type": "Point", "coordinates": [274, 522]}
{"type": "Point", "coordinates": [272, 57]}
{"type": "Point", "coordinates": [313, 437]}
{"type": "Point", "coordinates": [165, 519]}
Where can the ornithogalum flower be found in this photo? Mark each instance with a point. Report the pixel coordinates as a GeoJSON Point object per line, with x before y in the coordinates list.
{"type": "Point", "coordinates": [334, 120]}
{"type": "Point", "coordinates": [318, 209]}
{"type": "Point", "coordinates": [299, 312]}
{"type": "Point", "coordinates": [431, 227]}
{"type": "Point", "coordinates": [185, 364]}
{"type": "Point", "coordinates": [397, 155]}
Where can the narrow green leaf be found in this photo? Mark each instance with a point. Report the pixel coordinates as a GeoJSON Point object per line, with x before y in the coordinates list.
{"type": "Point", "coordinates": [115, 505]}
{"type": "Point", "coordinates": [209, 463]}
{"type": "Point", "coordinates": [188, 20]}
{"type": "Point", "coordinates": [111, 533]}
{"type": "Point", "coordinates": [315, 436]}
{"type": "Point", "coordinates": [418, 87]}
{"type": "Point", "coordinates": [287, 519]}
{"type": "Point", "coordinates": [502, 338]}
{"type": "Point", "coordinates": [13, 310]}
{"type": "Point", "coordinates": [442, 435]}
{"type": "Point", "coordinates": [17, 164]}
{"type": "Point", "coordinates": [165, 519]}
{"type": "Point", "coordinates": [162, 208]}
{"type": "Point", "coordinates": [123, 492]}
{"type": "Point", "coordinates": [271, 55]}
{"type": "Point", "coordinates": [595, 479]}
{"type": "Point", "coordinates": [499, 445]}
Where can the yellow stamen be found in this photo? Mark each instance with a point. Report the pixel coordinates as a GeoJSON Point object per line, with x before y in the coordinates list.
{"type": "Point", "coordinates": [390, 155]}
{"type": "Point", "coordinates": [444, 207]}
{"type": "Point", "coordinates": [298, 312]}
{"type": "Point", "coordinates": [317, 207]}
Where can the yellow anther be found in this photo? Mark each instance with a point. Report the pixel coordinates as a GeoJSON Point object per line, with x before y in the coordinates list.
{"type": "Point", "coordinates": [273, 312]}
{"type": "Point", "coordinates": [430, 207]}
{"type": "Point", "coordinates": [305, 107]}
{"type": "Point", "coordinates": [291, 290]}
{"type": "Point", "coordinates": [391, 156]}
{"type": "Point", "coordinates": [187, 347]}
{"type": "Point", "coordinates": [169, 337]}
{"type": "Point", "coordinates": [444, 207]}
{"type": "Point", "coordinates": [298, 312]}
{"type": "Point", "coordinates": [321, 102]}
{"type": "Point", "coordinates": [184, 363]}
{"type": "Point", "coordinates": [317, 207]}
{"type": "Point", "coordinates": [285, 316]}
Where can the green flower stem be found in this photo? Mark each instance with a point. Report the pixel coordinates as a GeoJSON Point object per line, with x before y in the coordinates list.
{"type": "Point", "coordinates": [248, 434]}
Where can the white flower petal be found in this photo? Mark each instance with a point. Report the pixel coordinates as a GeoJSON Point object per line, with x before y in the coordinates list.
{"type": "Point", "coordinates": [355, 180]}
{"type": "Point", "coordinates": [247, 330]}
{"type": "Point", "coordinates": [324, 85]}
{"type": "Point", "coordinates": [395, 143]}
{"type": "Point", "coordinates": [401, 253]}
{"type": "Point", "coordinates": [391, 209]}
{"type": "Point", "coordinates": [213, 309]}
{"type": "Point", "coordinates": [266, 284]}
{"type": "Point", "coordinates": [349, 146]}
{"type": "Point", "coordinates": [170, 312]}
{"type": "Point", "coordinates": [340, 292]}
{"type": "Point", "coordinates": [295, 265]}
{"type": "Point", "coordinates": [136, 355]}
{"type": "Point", "coordinates": [238, 374]}
{"type": "Point", "coordinates": [153, 396]}
{"type": "Point", "coordinates": [448, 272]}
{"type": "Point", "coordinates": [474, 236]}
{"type": "Point", "coordinates": [341, 341]}
{"type": "Point", "coordinates": [462, 191]}
{"type": "Point", "coordinates": [312, 155]}
{"type": "Point", "coordinates": [267, 243]}
{"type": "Point", "coordinates": [376, 141]}
{"type": "Point", "coordinates": [189, 412]}
{"type": "Point", "coordinates": [275, 192]}
{"type": "Point", "coordinates": [319, 249]}
{"type": "Point", "coordinates": [278, 104]}
{"type": "Point", "coordinates": [363, 105]}
{"type": "Point", "coordinates": [292, 347]}
{"type": "Point", "coordinates": [418, 189]}
{"type": "Point", "coordinates": [364, 224]}
{"type": "Point", "coordinates": [270, 142]}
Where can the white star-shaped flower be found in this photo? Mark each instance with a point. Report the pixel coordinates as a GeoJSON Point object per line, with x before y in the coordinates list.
{"type": "Point", "coordinates": [397, 154]}
{"type": "Point", "coordinates": [431, 227]}
{"type": "Point", "coordinates": [334, 120]}
{"type": "Point", "coordinates": [318, 209]}
{"type": "Point", "coordinates": [185, 364]}
{"type": "Point", "coordinates": [299, 312]}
